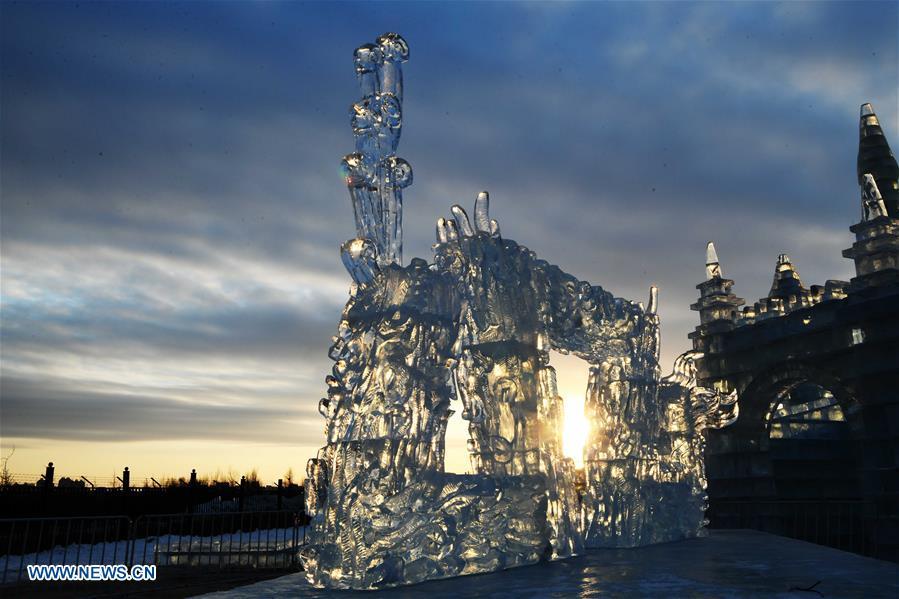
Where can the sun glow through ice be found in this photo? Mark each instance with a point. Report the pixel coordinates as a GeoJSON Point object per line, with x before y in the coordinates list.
{"type": "Point", "coordinates": [575, 429]}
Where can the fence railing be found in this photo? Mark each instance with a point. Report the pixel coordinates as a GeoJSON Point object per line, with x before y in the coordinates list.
{"type": "Point", "coordinates": [842, 524]}
{"type": "Point", "coordinates": [35, 501]}
{"type": "Point", "coordinates": [256, 539]}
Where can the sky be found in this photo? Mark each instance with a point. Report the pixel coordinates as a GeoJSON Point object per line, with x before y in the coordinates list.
{"type": "Point", "coordinates": [171, 206]}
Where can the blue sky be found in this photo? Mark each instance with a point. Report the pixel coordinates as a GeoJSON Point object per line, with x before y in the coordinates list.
{"type": "Point", "coordinates": [172, 206]}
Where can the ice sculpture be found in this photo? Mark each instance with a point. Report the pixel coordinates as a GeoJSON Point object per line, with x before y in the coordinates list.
{"type": "Point", "coordinates": [475, 327]}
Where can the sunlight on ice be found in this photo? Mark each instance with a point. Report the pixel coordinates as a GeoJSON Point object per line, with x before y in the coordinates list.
{"type": "Point", "coordinates": [576, 430]}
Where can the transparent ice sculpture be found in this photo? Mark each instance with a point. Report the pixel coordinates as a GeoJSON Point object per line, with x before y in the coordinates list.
{"type": "Point", "coordinates": [474, 327]}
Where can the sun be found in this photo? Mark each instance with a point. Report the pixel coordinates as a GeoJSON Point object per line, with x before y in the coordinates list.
{"type": "Point", "coordinates": [575, 430]}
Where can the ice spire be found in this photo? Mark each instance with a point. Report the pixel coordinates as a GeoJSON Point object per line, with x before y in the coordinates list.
{"type": "Point", "coordinates": [876, 159]}
{"type": "Point", "coordinates": [876, 248]}
{"type": "Point", "coordinates": [712, 267]}
{"type": "Point", "coordinates": [374, 174]}
{"type": "Point", "coordinates": [653, 306]}
{"type": "Point", "coordinates": [872, 201]}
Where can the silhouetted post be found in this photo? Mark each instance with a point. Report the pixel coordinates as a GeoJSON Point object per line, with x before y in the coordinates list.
{"type": "Point", "coordinates": [48, 475]}
{"type": "Point", "coordinates": [46, 489]}
{"type": "Point", "coordinates": [192, 490]}
{"type": "Point", "coordinates": [280, 493]}
{"type": "Point", "coordinates": [126, 479]}
{"type": "Point", "coordinates": [243, 486]}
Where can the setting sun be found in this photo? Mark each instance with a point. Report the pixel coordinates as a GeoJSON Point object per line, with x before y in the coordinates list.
{"type": "Point", "coordinates": [575, 430]}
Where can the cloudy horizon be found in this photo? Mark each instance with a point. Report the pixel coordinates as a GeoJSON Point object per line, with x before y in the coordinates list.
{"type": "Point", "coordinates": [172, 206]}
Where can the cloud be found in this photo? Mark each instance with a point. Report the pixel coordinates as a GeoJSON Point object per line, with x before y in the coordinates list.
{"type": "Point", "coordinates": [172, 206]}
{"type": "Point", "coordinates": [35, 410]}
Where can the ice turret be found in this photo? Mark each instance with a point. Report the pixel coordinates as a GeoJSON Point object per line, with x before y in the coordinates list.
{"type": "Point", "coordinates": [876, 248]}
{"type": "Point", "coordinates": [876, 158]}
{"type": "Point", "coordinates": [717, 306]}
{"type": "Point", "coordinates": [786, 284]}
{"type": "Point", "coordinates": [787, 292]}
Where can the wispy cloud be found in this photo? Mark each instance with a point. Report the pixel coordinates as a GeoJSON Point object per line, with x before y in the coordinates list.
{"type": "Point", "coordinates": [172, 208]}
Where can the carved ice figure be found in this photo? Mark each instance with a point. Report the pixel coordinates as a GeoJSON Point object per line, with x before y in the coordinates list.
{"type": "Point", "coordinates": [872, 201]}
{"type": "Point", "coordinates": [476, 325]}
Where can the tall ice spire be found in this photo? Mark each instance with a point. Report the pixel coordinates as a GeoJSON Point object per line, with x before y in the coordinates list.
{"type": "Point", "coordinates": [876, 158]}
{"type": "Point", "coordinates": [374, 174]}
{"type": "Point", "coordinates": [876, 248]}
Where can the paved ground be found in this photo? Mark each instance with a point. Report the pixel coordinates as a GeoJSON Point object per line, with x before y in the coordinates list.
{"type": "Point", "coordinates": [725, 564]}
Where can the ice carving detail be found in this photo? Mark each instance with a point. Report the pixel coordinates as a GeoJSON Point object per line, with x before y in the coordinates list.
{"type": "Point", "coordinates": [374, 174]}
{"type": "Point", "coordinates": [872, 201]}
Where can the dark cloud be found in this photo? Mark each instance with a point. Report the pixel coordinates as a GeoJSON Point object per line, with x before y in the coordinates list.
{"type": "Point", "coordinates": [264, 332]}
{"type": "Point", "coordinates": [172, 208]}
{"type": "Point", "coordinates": [33, 409]}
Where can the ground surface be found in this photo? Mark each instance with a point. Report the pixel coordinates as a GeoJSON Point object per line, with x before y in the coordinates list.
{"type": "Point", "coordinates": [733, 563]}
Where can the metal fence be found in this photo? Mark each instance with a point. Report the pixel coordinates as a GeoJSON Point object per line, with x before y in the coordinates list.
{"type": "Point", "coordinates": [842, 524]}
{"type": "Point", "coordinates": [256, 539]}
